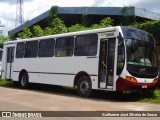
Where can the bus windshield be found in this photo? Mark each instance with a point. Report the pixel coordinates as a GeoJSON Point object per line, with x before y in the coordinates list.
{"type": "Point", "coordinates": [141, 53]}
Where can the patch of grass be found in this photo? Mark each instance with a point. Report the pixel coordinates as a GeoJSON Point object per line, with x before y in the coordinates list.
{"type": "Point", "coordinates": [155, 98]}
{"type": "Point", "coordinates": [6, 83]}
{"type": "Point", "coordinates": [130, 96]}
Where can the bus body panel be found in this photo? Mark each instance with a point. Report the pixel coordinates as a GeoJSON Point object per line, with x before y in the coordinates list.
{"type": "Point", "coordinates": [56, 70]}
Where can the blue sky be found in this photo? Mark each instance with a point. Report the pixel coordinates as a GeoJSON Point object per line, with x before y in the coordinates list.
{"type": "Point", "coordinates": [33, 8]}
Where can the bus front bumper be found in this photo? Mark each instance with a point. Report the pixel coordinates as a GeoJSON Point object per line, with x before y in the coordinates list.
{"type": "Point", "coordinates": [124, 85]}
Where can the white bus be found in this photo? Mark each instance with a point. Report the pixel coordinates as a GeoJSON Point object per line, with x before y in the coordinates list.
{"type": "Point", "coordinates": [1, 52]}
{"type": "Point", "coordinates": [112, 59]}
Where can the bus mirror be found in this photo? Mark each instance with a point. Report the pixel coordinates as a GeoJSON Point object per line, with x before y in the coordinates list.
{"type": "Point", "coordinates": [120, 37]}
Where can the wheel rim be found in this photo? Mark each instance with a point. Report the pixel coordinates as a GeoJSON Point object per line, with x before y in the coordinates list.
{"type": "Point", "coordinates": [23, 81]}
{"type": "Point", "coordinates": [84, 87]}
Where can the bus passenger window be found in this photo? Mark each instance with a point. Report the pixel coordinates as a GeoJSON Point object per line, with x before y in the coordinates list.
{"type": "Point", "coordinates": [46, 48]}
{"type": "Point", "coordinates": [86, 45]}
{"type": "Point", "coordinates": [20, 50]}
{"type": "Point", "coordinates": [31, 49]}
{"type": "Point", "coordinates": [64, 47]}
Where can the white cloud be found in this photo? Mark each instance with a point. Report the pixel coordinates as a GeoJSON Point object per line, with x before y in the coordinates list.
{"type": "Point", "coordinates": [7, 16]}
{"type": "Point", "coordinates": [37, 7]}
{"type": "Point", "coordinates": [153, 5]}
{"type": "Point", "coordinates": [33, 8]}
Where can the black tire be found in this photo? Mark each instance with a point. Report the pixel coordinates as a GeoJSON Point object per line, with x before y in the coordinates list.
{"type": "Point", "coordinates": [23, 81]}
{"type": "Point", "coordinates": [84, 86]}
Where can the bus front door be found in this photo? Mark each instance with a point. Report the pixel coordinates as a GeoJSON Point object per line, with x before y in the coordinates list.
{"type": "Point", "coordinates": [106, 63]}
{"type": "Point", "coordinates": [10, 60]}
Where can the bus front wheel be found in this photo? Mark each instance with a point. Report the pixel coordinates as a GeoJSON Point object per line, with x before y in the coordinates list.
{"type": "Point", "coordinates": [84, 86]}
{"type": "Point", "coordinates": [23, 80]}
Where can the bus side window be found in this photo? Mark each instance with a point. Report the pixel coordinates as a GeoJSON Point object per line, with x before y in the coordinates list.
{"type": "Point", "coordinates": [20, 50]}
{"type": "Point", "coordinates": [64, 46]}
{"type": "Point", "coordinates": [31, 49]}
{"type": "Point", "coordinates": [46, 48]}
{"type": "Point", "coordinates": [86, 45]}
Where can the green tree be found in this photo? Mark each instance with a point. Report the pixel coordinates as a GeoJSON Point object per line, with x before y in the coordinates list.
{"type": "Point", "coordinates": [58, 26]}
{"type": "Point", "coordinates": [47, 31]}
{"type": "Point", "coordinates": [52, 14]}
{"type": "Point", "coordinates": [127, 19]}
{"type": "Point", "coordinates": [152, 27]}
{"type": "Point", "coordinates": [87, 20]}
{"type": "Point", "coordinates": [26, 33]}
{"type": "Point", "coordinates": [37, 31]}
{"type": "Point", "coordinates": [76, 27]}
{"type": "Point", "coordinates": [3, 39]}
{"type": "Point", "coordinates": [106, 22]}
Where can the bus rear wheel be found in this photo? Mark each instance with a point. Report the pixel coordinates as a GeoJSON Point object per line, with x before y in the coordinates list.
{"type": "Point", "coordinates": [84, 86]}
{"type": "Point", "coordinates": [23, 80]}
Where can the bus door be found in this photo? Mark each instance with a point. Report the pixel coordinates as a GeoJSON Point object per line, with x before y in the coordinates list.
{"type": "Point", "coordinates": [10, 60]}
{"type": "Point", "coordinates": [106, 63]}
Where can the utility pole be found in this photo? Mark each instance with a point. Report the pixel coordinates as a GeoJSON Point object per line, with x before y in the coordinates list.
{"type": "Point", "coordinates": [19, 13]}
{"type": "Point", "coordinates": [1, 28]}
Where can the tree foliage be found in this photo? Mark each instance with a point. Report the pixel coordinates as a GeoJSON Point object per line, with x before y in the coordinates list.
{"type": "Point", "coordinates": [87, 20]}
{"type": "Point", "coordinates": [47, 31]}
{"type": "Point", "coordinates": [106, 22]}
{"type": "Point", "coordinates": [76, 27]}
{"type": "Point", "coordinates": [152, 27]}
{"type": "Point", "coordinates": [52, 14]}
{"type": "Point", "coordinates": [3, 39]}
{"type": "Point", "coordinates": [26, 33]}
{"type": "Point", "coordinates": [58, 26]}
{"type": "Point", "coordinates": [127, 19]}
{"type": "Point", "coordinates": [37, 31]}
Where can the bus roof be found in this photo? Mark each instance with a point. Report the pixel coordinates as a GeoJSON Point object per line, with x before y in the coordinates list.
{"type": "Point", "coordinates": [65, 34]}
{"type": "Point", "coordinates": [72, 34]}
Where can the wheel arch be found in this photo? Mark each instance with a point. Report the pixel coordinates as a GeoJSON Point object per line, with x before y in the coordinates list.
{"type": "Point", "coordinates": [22, 71]}
{"type": "Point", "coordinates": [80, 74]}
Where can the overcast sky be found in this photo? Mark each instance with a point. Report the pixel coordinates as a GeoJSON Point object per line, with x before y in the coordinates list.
{"type": "Point", "coordinates": [33, 8]}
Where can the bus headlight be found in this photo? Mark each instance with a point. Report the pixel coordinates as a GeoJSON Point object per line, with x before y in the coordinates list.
{"type": "Point", "coordinates": [155, 80]}
{"type": "Point", "coordinates": [131, 79]}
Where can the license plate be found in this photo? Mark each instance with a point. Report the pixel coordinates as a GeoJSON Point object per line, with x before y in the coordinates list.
{"type": "Point", "coordinates": [144, 86]}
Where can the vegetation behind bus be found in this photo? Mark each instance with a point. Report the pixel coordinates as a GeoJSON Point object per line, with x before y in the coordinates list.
{"type": "Point", "coordinates": [3, 39]}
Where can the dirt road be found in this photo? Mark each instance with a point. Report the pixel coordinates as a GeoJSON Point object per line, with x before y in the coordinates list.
{"type": "Point", "coordinates": [40, 99]}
